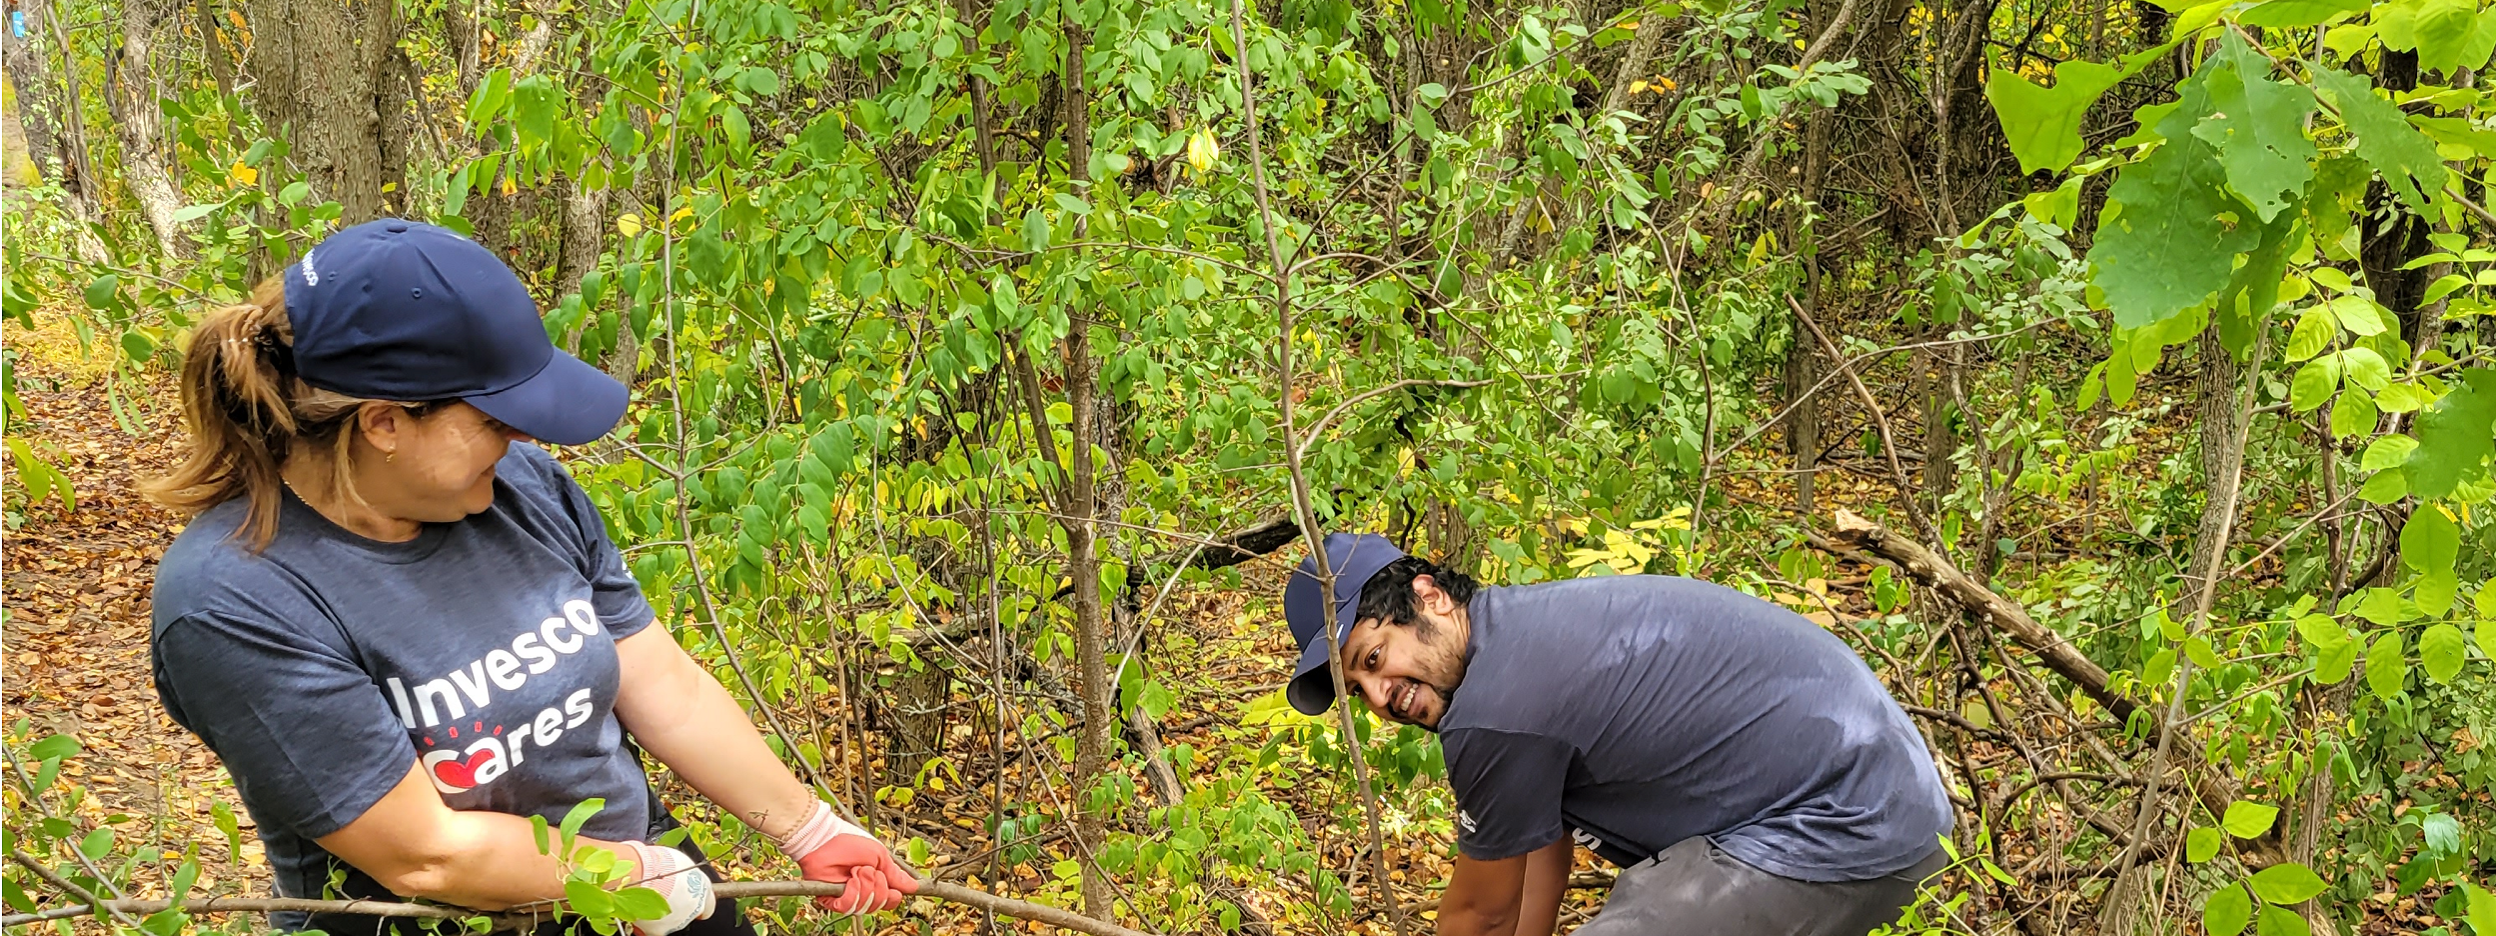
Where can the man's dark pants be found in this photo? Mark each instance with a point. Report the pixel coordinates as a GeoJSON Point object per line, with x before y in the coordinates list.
{"type": "Point", "coordinates": [1695, 888]}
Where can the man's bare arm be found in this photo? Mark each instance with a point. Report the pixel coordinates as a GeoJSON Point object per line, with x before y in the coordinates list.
{"type": "Point", "coordinates": [1546, 881]}
{"type": "Point", "coordinates": [1484, 898]}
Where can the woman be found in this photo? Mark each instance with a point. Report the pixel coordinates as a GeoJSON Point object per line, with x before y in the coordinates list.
{"type": "Point", "coordinates": [405, 634]}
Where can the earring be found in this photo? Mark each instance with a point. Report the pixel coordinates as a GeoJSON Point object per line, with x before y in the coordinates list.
{"type": "Point", "coordinates": [389, 456]}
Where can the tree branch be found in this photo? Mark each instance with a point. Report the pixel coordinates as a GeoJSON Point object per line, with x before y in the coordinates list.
{"type": "Point", "coordinates": [1932, 571]}
{"type": "Point", "coordinates": [939, 890]}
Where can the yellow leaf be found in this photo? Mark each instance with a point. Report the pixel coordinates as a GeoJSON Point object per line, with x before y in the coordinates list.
{"type": "Point", "coordinates": [509, 188]}
{"type": "Point", "coordinates": [243, 174]}
{"type": "Point", "coordinates": [629, 223]}
{"type": "Point", "coordinates": [1202, 150]}
{"type": "Point", "coordinates": [1637, 86]}
{"type": "Point", "coordinates": [681, 214]}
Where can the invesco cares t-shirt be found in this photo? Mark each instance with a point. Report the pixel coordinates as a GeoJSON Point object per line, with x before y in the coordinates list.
{"type": "Point", "coordinates": [484, 650]}
{"type": "Point", "coordinates": [1637, 711]}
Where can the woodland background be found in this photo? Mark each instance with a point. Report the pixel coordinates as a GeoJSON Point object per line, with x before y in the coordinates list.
{"type": "Point", "coordinates": [2113, 376]}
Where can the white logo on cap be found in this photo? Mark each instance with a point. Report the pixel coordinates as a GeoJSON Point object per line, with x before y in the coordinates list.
{"type": "Point", "coordinates": [310, 278]}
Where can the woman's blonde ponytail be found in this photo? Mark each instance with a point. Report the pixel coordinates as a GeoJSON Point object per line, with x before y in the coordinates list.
{"type": "Point", "coordinates": [244, 409]}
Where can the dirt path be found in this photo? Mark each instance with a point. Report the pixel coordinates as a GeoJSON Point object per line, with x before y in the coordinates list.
{"type": "Point", "coordinates": [76, 633]}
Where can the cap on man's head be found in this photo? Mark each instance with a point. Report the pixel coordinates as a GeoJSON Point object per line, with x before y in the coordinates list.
{"type": "Point", "coordinates": [1354, 558]}
{"type": "Point", "coordinates": [414, 313]}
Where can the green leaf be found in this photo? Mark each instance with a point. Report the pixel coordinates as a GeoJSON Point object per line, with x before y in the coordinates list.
{"type": "Point", "coordinates": [2441, 652]}
{"type": "Point", "coordinates": [2385, 487]}
{"type": "Point", "coordinates": [2258, 126]}
{"type": "Point", "coordinates": [2285, 883]}
{"type": "Point", "coordinates": [581, 813]}
{"type": "Point", "coordinates": [2444, 30]}
{"type": "Point", "coordinates": [588, 899]}
{"type": "Point", "coordinates": [492, 93]}
{"type": "Point", "coordinates": [2043, 123]}
{"type": "Point", "coordinates": [2162, 247]}
{"type": "Point", "coordinates": [2228, 909]}
{"type": "Point", "coordinates": [2387, 667]}
{"type": "Point", "coordinates": [2406, 158]}
{"type": "Point", "coordinates": [2386, 452]}
{"type": "Point", "coordinates": [2201, 845]}
{"type": "Point", "coordinates": [103, 291]}
{"type": "Point", "coordinates": [2482, 909]}
{"type": "Point", "coordinates": [738, 130]}
{"type": "Point", "coordinates": [2314, 384]}
{"type": "Point", "coordinates": [2365, 368]}
{"type": "Point", "coordinates": [2456, 436]}
{"type": "Point", "coordinates": [2357, 314]}
{"type": "Point", "coordinates": [825, 137]}
{"type": "Point", "coordinates": [56, 746]}
{"type": "Point", "coordinates": [639, 903]}
{"type": "Point", "coordinates": [2278, 922]}
{"type": "Point", "coordinates": [2333, 649]}
{"type": "Point", "coordinates": [2430, 542]}
{"type": "Point", "coordinates": [2382, 606]}
{"type": "Point", "coordinates": [2315, 329]}
{"type": "Point", "coordinates": [2247, 819]}
{"type": "Point", "coordinates": [2197, 649]}
{"type": "Point", "coordinates": [2289, 14]}
{"type": "Point", "coordinates": [2353, 413]}
{"type": "Point", "coordinates": [533, 104]}
{"type": "Point", "coordinates": [97, 844]}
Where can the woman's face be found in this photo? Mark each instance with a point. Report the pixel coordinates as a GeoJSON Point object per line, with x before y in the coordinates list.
{"type": "Point", "coordinates": [436, 468]}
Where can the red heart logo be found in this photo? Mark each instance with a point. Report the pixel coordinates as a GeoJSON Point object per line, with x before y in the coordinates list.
{"type": "Point", "coordinates": [462, 774]}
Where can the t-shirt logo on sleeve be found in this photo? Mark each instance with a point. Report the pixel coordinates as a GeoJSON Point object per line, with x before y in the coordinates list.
{"type": "Point", "coordinates": [439, 711]}
{"type": "Point", "coordinates": [1464, 820]}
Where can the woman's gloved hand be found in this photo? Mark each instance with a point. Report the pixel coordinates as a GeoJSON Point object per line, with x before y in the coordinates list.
{"type": "Point", "coordinates": [830, 849]}
{"type": "Point", "coordinates": [675, 876]}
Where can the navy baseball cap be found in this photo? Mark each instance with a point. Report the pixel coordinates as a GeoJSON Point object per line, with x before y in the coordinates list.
{"type": "Point", "coordinates": [1354, 557]}
{"type": "Point", "coordinates": [415, 313]}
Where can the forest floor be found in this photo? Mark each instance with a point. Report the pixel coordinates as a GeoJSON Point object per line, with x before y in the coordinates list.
{"type": "Point", "coordinates": [75, 660]}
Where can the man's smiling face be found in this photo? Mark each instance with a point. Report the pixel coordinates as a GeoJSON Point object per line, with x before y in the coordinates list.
{"type": "Point", "coordinates": [1409, 672]}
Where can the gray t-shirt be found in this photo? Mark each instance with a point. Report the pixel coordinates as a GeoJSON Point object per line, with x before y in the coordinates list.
{"type": "Point", "coordinates": [1638, 711]}
{"type": "Point", "coordinates": [321, 669]}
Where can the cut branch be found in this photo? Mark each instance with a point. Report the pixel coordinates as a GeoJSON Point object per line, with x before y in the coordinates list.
{"type": "Point", "coordinates": [939, 890]}
{"type": "Point", "coordinates": [1932, 571]}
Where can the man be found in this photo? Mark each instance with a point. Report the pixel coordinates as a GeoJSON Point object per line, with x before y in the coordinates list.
{"type": "Point", "coordinates": [1742, 764]}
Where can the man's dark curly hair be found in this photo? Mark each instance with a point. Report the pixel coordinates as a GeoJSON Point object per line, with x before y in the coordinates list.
{"type": "Point", "coordinates": [1388, 597]}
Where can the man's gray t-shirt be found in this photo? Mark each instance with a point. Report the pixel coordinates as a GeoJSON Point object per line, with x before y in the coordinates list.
{"type": "Point", "coordinates": [322, 668]}
{"type": "Point", "coordinates": [1638, 711]}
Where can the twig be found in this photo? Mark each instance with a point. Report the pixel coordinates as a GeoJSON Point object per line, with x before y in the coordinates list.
{"type": "Point", "coordinates": [1302, 503]}
{"type": "Point", "coordinates": [1880, 420]}
{"type": "Point", "coordinates": [20, 856]}
{"type": "Point", "coordinates": [33, 798]}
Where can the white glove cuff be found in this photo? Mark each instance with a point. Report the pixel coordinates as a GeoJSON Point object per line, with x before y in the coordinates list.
{"type": "Point", "coordinates": [819, 830]}
{"type": "Point", "coordinates": [674, 875]}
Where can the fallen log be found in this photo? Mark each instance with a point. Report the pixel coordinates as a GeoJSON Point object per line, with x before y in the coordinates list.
{"type": "Point", "coordinates": [951, 893]}
{"type": "Point", "coordinates": [1932, 571]}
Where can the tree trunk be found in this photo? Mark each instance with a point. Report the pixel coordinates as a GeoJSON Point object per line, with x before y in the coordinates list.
{"type": "Point", "coordinates": [2222, 458]}
{"type": "Point", "coordinates": [36, 105]}
{"type": "Point", "coordinates": [1082, 507]}
{"type": "Point", "coordinates": [1802, 419]}
{"type": "Point", "coordinates": [321, 67]}
{"type": "Point", "coordinates": [136, 120]}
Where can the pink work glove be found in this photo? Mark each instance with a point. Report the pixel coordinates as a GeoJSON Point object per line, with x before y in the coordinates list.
{"type": "Point", "coordinates": [829, 849]}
